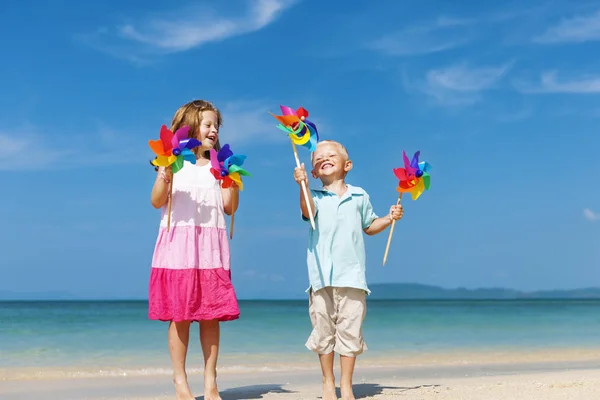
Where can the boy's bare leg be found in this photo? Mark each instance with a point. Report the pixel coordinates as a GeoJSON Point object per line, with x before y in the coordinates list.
{"type": "Point", "coordinates": [179, 336]}
{"type": "Point", "coordinates": [347, 364]}
{"type": "Point", "coordinates": [326, 361]}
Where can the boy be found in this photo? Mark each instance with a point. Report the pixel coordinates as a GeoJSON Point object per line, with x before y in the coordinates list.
{"type": "Point", "coordinates": [336, 262]}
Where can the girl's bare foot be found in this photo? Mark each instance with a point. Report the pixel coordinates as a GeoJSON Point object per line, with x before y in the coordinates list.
{"type": "Point", "coordinates": [211, 392]}
{"type": "Point", "coordinates": [329, 390]}
{"type": "Point", "coordinates": [182, 389]}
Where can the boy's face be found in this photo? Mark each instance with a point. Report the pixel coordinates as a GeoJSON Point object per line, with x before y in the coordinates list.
{"type": "Point", "coordinates": [329, 162]}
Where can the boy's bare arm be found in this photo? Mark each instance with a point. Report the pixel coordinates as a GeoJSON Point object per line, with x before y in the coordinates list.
{"type": "Point", "coordinates": [381, 223]}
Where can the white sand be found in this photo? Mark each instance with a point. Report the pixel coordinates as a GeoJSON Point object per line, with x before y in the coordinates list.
{"type": "Point", "coordinates": [370, 383]}
{"type": "Point", "coordinates": [542, 375]}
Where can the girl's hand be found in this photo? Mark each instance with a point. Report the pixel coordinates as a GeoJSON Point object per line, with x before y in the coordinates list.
{"type": "Point", "coordinates": [166, 173]}
{"type": "Point", "coordinates": [396, 212]}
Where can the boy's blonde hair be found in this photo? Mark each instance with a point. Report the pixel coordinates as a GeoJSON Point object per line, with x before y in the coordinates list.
{"type": "Point", "coordinates": [341, 147]}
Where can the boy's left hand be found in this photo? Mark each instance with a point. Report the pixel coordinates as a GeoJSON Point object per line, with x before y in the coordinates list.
{"type": "Point", "coordinates": [396, 212]}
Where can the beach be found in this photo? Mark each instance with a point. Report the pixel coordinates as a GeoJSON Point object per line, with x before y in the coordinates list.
{"type": "Point", "coordinates": [538, 379]}
{"type": "Point", "coordinates": [417, 350]}
{"type": "Point", "coordinates": [486, 375]}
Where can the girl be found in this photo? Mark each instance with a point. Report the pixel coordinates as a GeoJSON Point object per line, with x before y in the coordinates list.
{"type": "Point", "coordinates": [190, 278]}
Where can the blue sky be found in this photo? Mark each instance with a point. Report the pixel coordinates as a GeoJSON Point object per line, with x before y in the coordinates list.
{"type": "Point", "coordinates": [501, 98]}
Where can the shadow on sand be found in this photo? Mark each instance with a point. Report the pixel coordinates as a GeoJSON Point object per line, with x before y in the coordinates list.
{"type": "Point", "coordinates": [250, 392]}
{"type": "Point", "coordinates": [362, 390]}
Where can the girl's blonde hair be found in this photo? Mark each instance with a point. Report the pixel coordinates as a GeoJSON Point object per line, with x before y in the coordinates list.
{"type": "Point", "coordinates": [190, 114]}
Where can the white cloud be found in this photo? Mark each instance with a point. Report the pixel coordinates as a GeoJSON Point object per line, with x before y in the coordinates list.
{"type": "Point", "coordinates": [25, 148]}
{"type": "Point", "coordinates": [183, 29]}
{"type": "Point", "coordinates": [464, 79]}
{"type": "Point", "coordinates": [432, 37]}
{"type": "Point", "coordinates": [28, 151]}
{"type": "Point", "coordinates": [460, 85]}
{"type": "Point", "coordinates": [249, 121]}
{"type": "Point", "coordinates": [591, 215]}
{"type": "Point", "coordinates": [572, 30]}
{"type": "Point", "coordinates": [550, 84]}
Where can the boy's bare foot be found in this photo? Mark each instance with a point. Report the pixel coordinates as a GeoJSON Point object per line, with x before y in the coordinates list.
{"type": "Point", "coordinates": [329, 390]}
{"type": "Point", "coordinates": [347, 393]}
{"type": "Point", "coordinates": [211, 392]}
{"type": "Point", "coordinates": [182, 389]}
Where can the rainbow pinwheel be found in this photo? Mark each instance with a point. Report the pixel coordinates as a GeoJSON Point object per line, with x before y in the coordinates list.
{"type": "Point", "coordinates": [414, 177]}
{"type": "Point", "coordinates": [302, 131]}
{"type": "Point", "coordinates": [227, 166]}
{"type": "Point", "coordinates": [174, 148]}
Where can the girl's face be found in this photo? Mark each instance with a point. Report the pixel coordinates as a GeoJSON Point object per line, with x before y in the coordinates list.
{"type": "Point", "coordinates": [209, 130]}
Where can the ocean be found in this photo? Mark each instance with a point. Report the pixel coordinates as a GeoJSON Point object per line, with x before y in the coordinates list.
{"type": "Point", "coordinates": [109, 337]}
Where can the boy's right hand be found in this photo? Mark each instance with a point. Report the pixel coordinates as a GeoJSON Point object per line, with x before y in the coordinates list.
{"type": "Point", "coordinates": [300, 175]}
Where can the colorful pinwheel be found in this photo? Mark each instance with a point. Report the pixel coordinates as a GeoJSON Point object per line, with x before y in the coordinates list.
{"type": "Point", "coordinates": [302, 132]}
{"type": "Point", "coordinates": [414, 177]}
{"type": "Point", "coordinates": [227, 167]}
{"type": "Point", "coordinates": [173, 148]}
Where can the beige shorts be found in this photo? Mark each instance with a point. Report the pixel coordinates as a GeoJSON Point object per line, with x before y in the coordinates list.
{"type": "Point", "coordinates": [336, 315]}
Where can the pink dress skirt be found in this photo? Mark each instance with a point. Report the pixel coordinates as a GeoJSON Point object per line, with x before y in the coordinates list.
{"type": "Point", "coordinates": [190, 278]}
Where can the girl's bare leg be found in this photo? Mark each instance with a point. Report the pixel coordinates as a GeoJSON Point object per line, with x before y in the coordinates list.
{"type": "Point", "coordinates": [179, 336]}
{"type": "Point", "coordinates": [209, 339]}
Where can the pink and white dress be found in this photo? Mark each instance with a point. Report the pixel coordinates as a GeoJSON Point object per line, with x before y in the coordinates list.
{"type": "Point", "coordinates": [190, 278]}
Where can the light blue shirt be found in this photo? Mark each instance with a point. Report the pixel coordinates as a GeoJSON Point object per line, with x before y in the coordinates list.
{"type": "Point", "coordinates": [336, 249]}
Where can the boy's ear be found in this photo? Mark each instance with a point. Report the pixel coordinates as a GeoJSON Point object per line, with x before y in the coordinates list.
{"type": "Point", "coordinates": [313, 173]}
{"type": "Point", "coordinates": [348, 166]}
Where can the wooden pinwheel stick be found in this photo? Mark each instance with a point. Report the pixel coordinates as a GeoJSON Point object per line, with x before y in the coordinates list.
{"type": "Point", "coordinates": [169, 204]}
{"type": "Point", "coordinates": [232, 216]}
{"type": "Point", "coordinates": [304, 188]}
{"type": "Point", "coordinates": [387, 248]}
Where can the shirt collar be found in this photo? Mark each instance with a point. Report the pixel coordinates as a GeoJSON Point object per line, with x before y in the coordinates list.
{"type": "Point", "coordinates": [352, 190]}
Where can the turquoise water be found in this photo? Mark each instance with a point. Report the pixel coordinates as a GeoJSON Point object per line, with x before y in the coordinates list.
{"type": "Point", "coordinates": [72, 334]}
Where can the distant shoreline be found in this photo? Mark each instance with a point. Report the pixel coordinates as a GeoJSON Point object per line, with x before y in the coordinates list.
{"type": "Point", "coordinates": [300, 300]}
{"type": "Point", "coordinates": [380, 291]}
